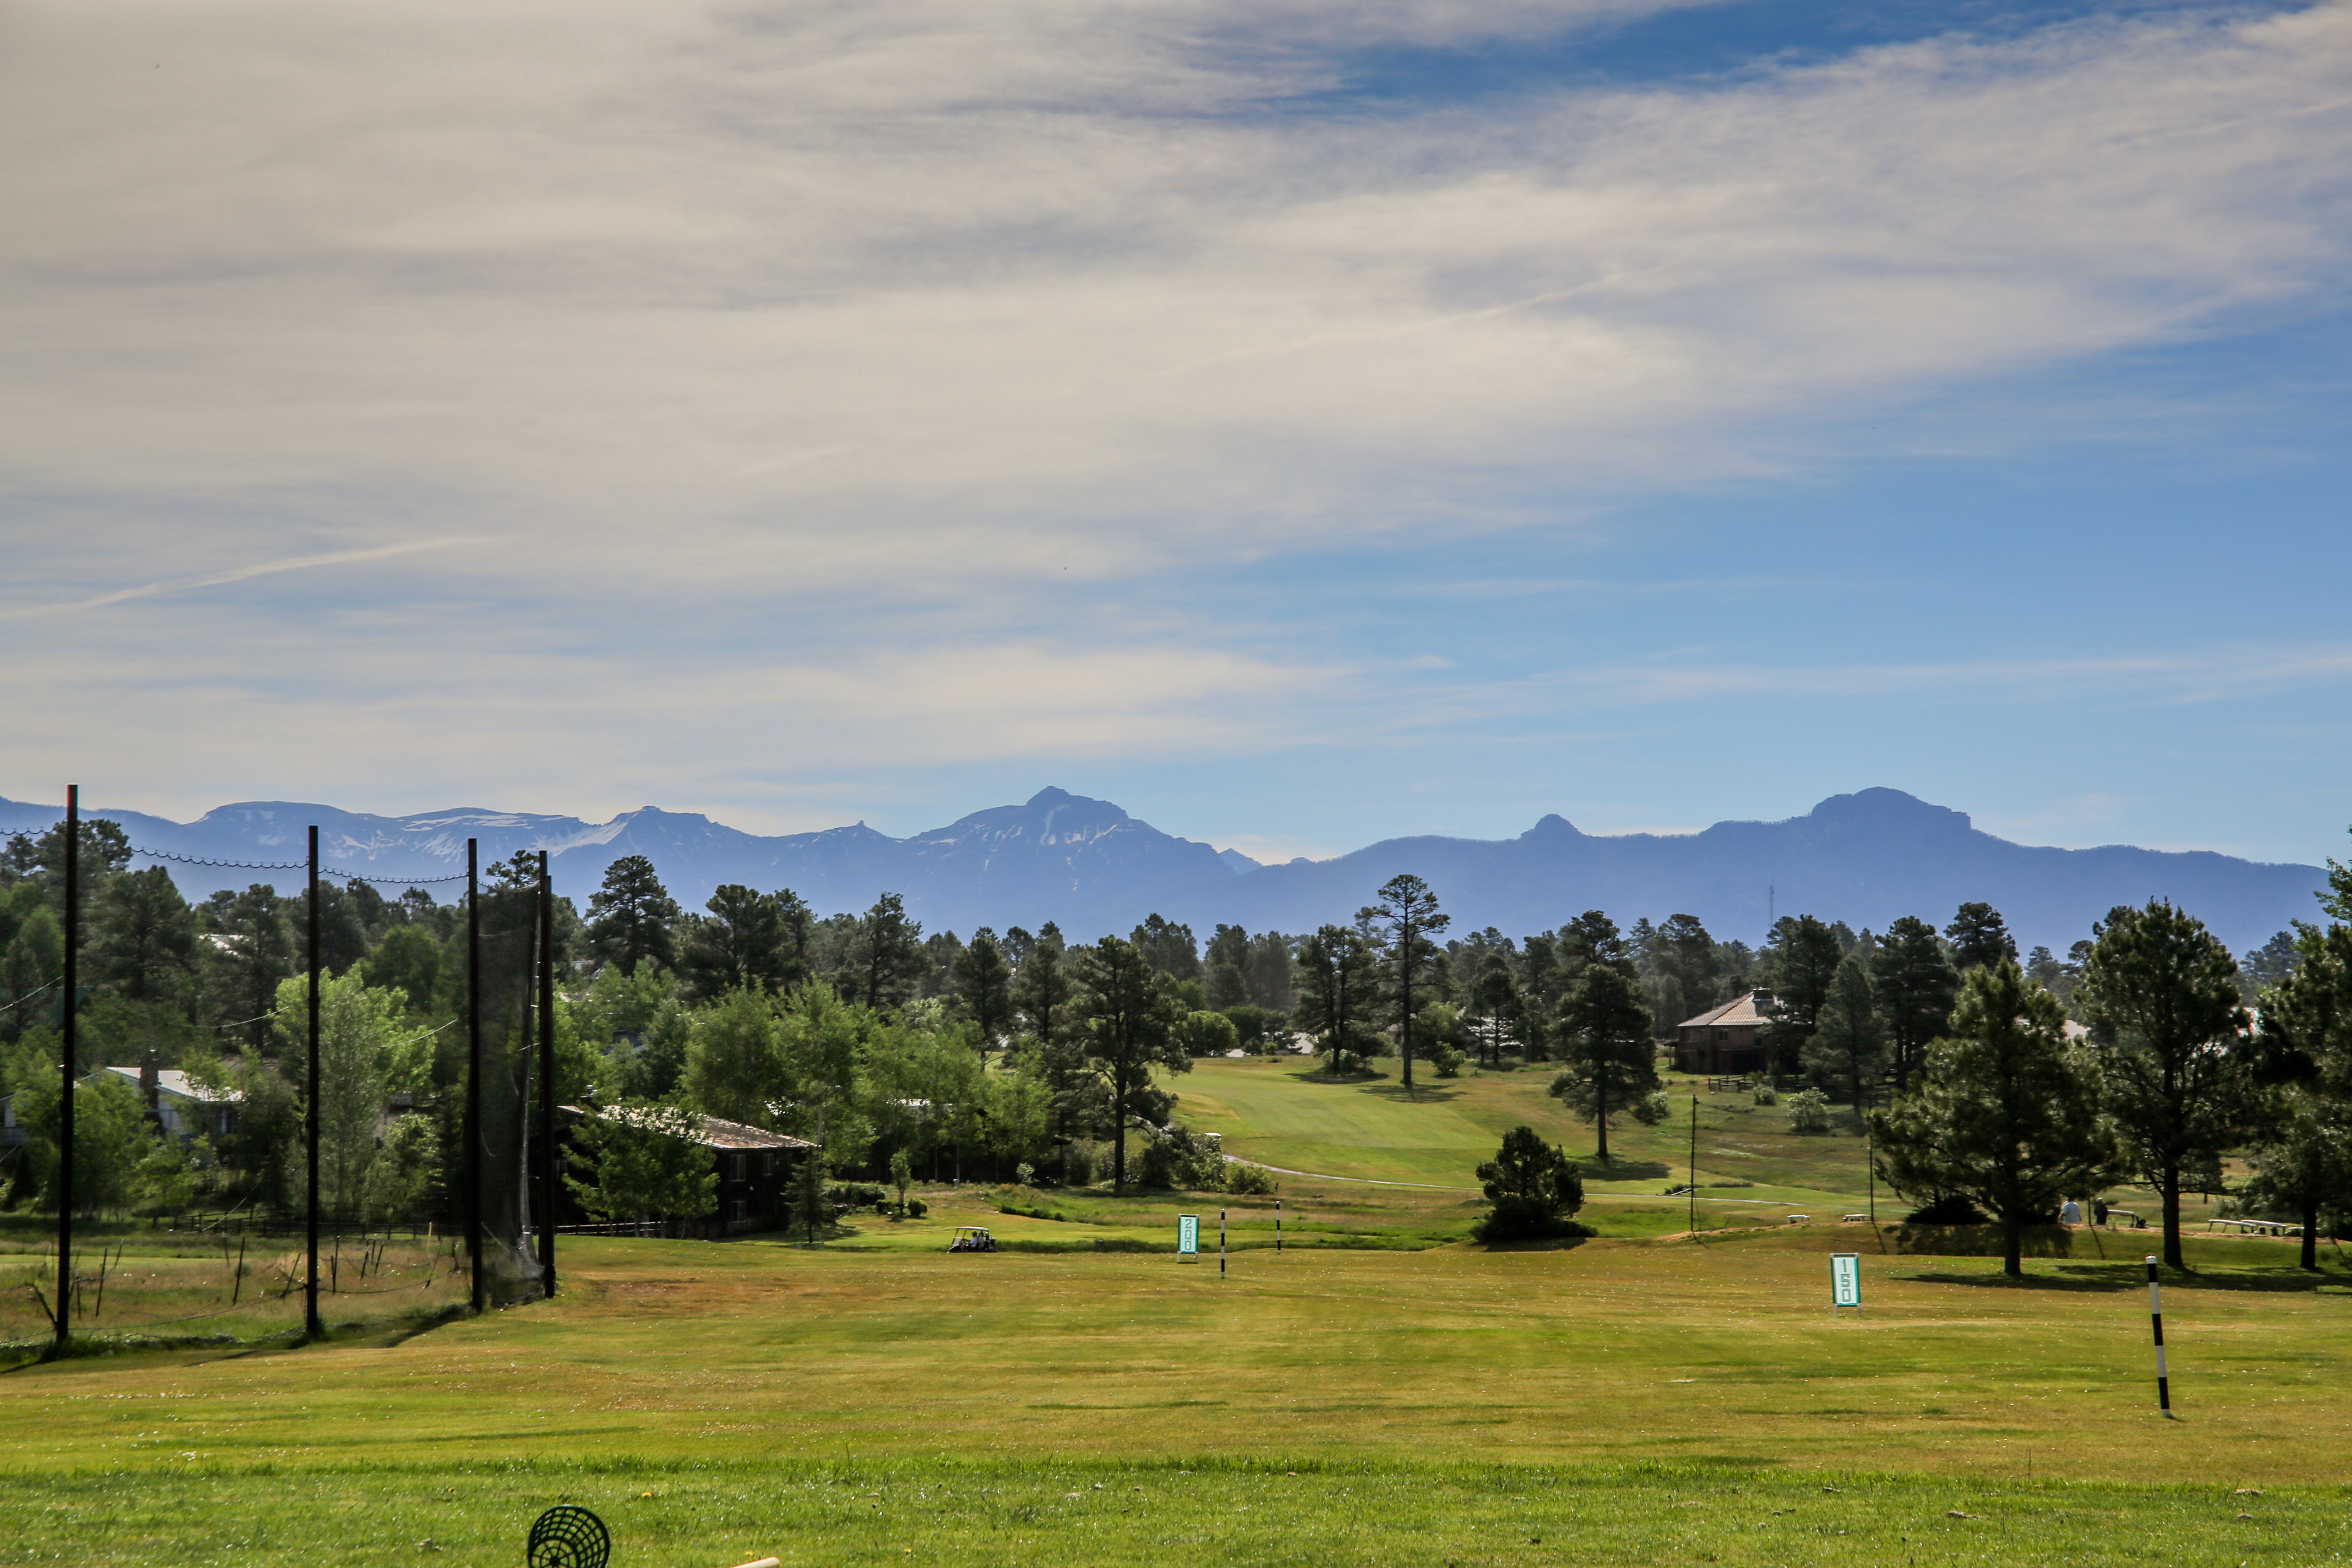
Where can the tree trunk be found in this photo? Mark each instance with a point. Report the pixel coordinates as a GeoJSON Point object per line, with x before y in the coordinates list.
{"type": "Point", "coordinates": [2011, 1246]}
{"type": "Point", "coordinates": [1600, 1100]}
{"type": "Point", "coordinates": [1119, 1143]}
{"type": "Point", "coordinates": [2171, 1180]}
{"type": "Point", "coordinates": [2311, 1232]}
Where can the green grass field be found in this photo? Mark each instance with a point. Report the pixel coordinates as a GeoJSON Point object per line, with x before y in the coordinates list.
{"type": "Point", "coordinates": [1387, 1395]}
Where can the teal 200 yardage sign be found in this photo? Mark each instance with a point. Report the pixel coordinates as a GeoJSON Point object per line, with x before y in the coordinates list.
{"type": "Point", "coordinates": [1188, 1234]}
{"type": "Point", "coordinates": [1845, 1280]}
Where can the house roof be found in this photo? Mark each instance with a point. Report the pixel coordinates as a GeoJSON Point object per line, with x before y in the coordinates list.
{"type": "Point", "coordinates": [175, 1083]}
{"type": "Point", "coordinates": [716, 1131]}
{"type": "Point", "coordinates": [1741, 1009]}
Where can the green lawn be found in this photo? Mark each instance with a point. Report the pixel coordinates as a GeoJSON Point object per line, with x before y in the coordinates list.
{"type": "Point", "coordinates": [1379, 1392]}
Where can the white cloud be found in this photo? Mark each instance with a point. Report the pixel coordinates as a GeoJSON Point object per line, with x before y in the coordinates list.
{"type": "Point", "coordinates": [922, 310]}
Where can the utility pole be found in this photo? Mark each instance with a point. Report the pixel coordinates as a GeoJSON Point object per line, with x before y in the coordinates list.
{"type": "Point", "coordinates": [548, 1164]}
{"type": "Point", "coordinates": [71, 979]}
{"type": "Point", "coordinates": [311, 1326]}
{"type": "Point", "coordinates": [474, 1074]}
{"type": "Point", "coordinates": [1694, 1163]}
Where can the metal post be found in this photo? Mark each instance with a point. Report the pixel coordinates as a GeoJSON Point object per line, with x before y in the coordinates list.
{"type": "Point", "coordinates": [1694, 1163]}
{"type": "Point", "coordinates": [474, 1074]}
{"type": "Point", "coordinates": [71, 979]}
{"type": "Point", "coordinates": [311, 1323]}
{"type": "Point", "coordinates": [1278, 1225]}
{"type": "Point", "coordinates": [548, 1166]}
{"type": "Point", "coordinates": [2155, 1322]}
{"type": "Point", "coordinates": [1221, 1244]}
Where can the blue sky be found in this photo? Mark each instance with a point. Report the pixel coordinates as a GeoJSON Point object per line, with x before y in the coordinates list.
{"type": "Point", "coordinates": [1301, 425]}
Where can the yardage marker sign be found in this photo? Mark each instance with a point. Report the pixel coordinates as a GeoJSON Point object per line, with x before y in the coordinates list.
{"type": "Point", "coordinates": [1846, 1281]}
{"type": "Point", "coordinates": [1188, 1234]}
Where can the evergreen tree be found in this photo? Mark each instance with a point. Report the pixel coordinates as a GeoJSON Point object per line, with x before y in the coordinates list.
{"type": "Point", "coordinates": [1849, 1041]}
{"type": "Point", "coordinates": [1533, 1188]}
{"type": "Point", "coordinates": [1338, 989]}
{"type": "Point", "coordinates": [2160, 994]}
{"type": "Point", "coordinates": [1407, 917]}
{"type": "Point", "coordinates": [885, 954]}
{"type": "Point", "coordinates": [631, 916]}
{"type": "Point", "coordinates": [1604, 1041]}
{"type": "Point", "coordinates": [2003, 1113]}
{"type": "Point", "coordinates": [1169, 948]}
{"type": "Point", "coordinates": [1126, 1015]}
{"type": "Point", "coordinates": [740, 943]}
{"type": "Point", "coordinates": [1979, 938]}
{"type": "Point", "coordinates": [2305, 1046]}
{"type": "Point", "coordinates": [1043, 989]}
{"type": "Point", "coordinates": [142, 938]}
{"type": "Point", "coordinates": [1914, 986]}
{"type": "Point", "coordinates": [983, 981]}
{"type": "Point", "coordinates": [253, 952]}
{"type": "Point", "coordinates": [1801, 957]}
{"type": "Point", "coordinates": [1227, 963]}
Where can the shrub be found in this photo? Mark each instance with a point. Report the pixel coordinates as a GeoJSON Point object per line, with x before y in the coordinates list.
{"type": "Point", "coordinates": [1179, 1159]}
{"type": "Point", "coordinates": [1809, 1112]}
{"type": "Point", "coordinates": [1448, 1060]}
{"type": "Point", "coordinates": [1079, 1169]}
{"type": "Point", "coordinates": [917, 1208]}
{"type": "Point", "coordinates": [1533, 1188]}
{"type": "Point", "coordinates": [1765, 1095]}
{"type": "Point", "coordinates": [856, 1195]}
{"type": "Point", "coordinates": [1249, 1181]}
{"type": "Point", "coordinates": [1950, 1208]}
{"type": "Point", "coordinates": [1025, 1174]}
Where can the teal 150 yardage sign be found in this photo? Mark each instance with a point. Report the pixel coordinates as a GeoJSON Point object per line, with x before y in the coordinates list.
{"type": "Point", "coordinates": [1845, 1280]}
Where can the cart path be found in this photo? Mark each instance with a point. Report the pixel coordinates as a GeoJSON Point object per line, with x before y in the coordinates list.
{"type": "Point", "coordinates": [1435, 1187]}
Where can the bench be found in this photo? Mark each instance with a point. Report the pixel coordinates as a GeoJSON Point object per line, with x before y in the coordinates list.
{"type": "Point", "coordinates": [2115, 1214]}
{"type": "Point", "coordinates": [1801, 1219]}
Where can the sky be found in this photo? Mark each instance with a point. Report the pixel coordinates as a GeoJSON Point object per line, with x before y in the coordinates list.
{"type": "Point", "coordinates": [1302, 425]}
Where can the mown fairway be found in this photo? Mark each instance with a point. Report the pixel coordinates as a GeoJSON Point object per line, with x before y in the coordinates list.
{"type": "Point", "coordinates": [1630, 1400]}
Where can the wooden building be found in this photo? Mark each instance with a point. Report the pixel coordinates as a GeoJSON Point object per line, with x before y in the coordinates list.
{"type": "Point", "coordinates": [1726, 1041]}
{"type": "Point", "coordinates": [755, 1170]}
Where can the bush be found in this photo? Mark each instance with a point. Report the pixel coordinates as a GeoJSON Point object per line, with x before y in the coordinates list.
{"type": "Point", "coordinates": [917, 1208]}
{"type": "Point", "coordinates": [1079, 1169]}
{"type": "Point", "coordinates": [1766, 1095]}
{"type": "Point", "coordinates": [1809, 1112]}
{"type": "Point", "coordinates": [1248, 1180]}
{"type": "Point", "coordinates": [856, 1195]}
{"type": "Point", "coordinates": [1448, 1061]}
{"type": "Point", "coordinates": [1207, 1033]}
{"type": "Point", "coordinates": [1025, 1174]}
{"type": "Point", "coordinates": [1533, 1188]}
{"type": "Point", "coordinates": [1951, 1208]}
{"type": "Point", "coordinates": [1179, 1159]}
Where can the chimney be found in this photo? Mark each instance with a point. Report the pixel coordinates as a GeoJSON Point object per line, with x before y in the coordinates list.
{"type": "Point", "coordinates": [150, 1084]}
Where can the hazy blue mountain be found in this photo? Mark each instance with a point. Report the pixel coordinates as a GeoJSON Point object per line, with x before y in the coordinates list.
{"type": "Point", "coordinates": [1865, 859]}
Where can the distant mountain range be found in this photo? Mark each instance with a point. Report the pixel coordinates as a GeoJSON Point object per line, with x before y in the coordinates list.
{"type": "Point", "coordinates": [1865, 858]}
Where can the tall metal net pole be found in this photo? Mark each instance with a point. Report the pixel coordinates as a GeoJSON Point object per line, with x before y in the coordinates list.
{"type": "Point", "coordinates": [548, 1164]}
{"type": "Point", "coordinates": [72, 983]}
{"type": "Point", "coordinates": [474, 1075]}
{"type": "Point", "coordinates": [311, 1323]}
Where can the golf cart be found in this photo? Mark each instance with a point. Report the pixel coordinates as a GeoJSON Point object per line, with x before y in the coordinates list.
{"type": "Point", "coordinates": [973, 1238]}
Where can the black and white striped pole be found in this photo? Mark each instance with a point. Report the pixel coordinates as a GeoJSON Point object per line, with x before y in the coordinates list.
{"type": "Point", "coordinates": [2155, 1322]}
{"type": "Point", "coordinates": [1221, 1244]}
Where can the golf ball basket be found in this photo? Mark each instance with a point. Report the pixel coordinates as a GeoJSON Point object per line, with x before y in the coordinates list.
{"type": "Point", "coordinates": [568, 1536]}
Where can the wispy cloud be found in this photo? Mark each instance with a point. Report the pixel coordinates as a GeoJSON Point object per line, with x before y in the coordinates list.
{"type": "Point", "coordinates": [235, 575]}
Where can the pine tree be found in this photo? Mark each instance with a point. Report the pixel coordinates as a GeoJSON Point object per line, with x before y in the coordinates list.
{"type": "Point", "coordinates": [1604, 1040]}
{"type": "Point", "coordinates": [2160, 994]}
{"type": "Point", "coordinates": [1407, 917]}
{"type": "Point", "coordinates": [630, 917]}
{"type": "Point", "coordinates": [2003, 1113]}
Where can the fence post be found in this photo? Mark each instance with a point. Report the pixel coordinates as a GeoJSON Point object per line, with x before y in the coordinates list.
{"type": "Point", "coordinates": [311, 1323]}
{"type": "Point", "coordinates": [71, 979]}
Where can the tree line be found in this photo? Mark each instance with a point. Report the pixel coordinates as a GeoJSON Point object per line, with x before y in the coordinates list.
{"type": "Point", "coordinates": [880, 1042]}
